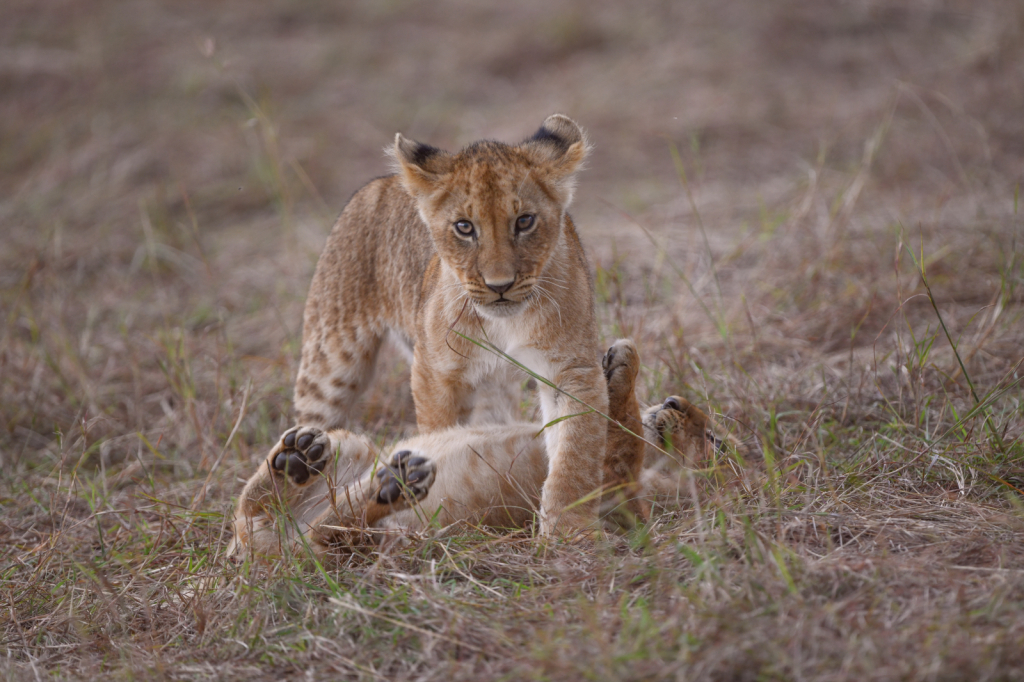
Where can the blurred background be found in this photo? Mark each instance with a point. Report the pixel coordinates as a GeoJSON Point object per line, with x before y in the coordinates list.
{"type": "Point", "coordinates": [768, 183]}
{"type": "Point", "coordinates": [169, 172]}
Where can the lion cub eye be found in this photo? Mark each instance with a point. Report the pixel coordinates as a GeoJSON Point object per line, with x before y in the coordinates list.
{"type": "Point", "coordinates": [524, 222]}
{"type": "Point", "coordinates": [464, 228]}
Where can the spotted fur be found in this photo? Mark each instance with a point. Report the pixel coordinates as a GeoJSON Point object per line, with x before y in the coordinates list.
{"type": "Point", "coordinates": [467, 476]}
{"type": "Point", "coordinates": [396, 264]}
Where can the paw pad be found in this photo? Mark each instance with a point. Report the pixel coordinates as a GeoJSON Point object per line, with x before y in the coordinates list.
{"type": "Point", "coordinates": [405, 475]}
{"type": "Point", "coordinates": [622, 353]}
{"type": "Point", "coordinates": [302, 454]}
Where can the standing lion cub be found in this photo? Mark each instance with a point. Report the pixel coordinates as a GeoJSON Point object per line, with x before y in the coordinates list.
{"type": "Point", "coordinates": [472, 245]}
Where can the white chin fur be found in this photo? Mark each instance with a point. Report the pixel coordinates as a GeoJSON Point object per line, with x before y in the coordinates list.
{"type": "Point", "coordinates": [498, 312]}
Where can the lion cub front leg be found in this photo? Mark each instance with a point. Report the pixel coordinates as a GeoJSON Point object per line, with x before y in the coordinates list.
{"type": "Point", "coordinates": [442, 399]}
{"type": "Point", "coordinates": [576, 448]}
{"type": "Point", "coordinates": [624, 456]}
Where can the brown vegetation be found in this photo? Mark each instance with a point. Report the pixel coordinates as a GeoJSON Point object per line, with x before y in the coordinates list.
{"type": "Point", "coordinates": [805, 213]}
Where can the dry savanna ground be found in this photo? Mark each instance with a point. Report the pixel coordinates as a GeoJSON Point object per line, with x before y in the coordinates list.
{"type": "Point", "coordinates": [806, 213]}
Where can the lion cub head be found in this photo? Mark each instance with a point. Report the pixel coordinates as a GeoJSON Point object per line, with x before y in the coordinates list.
{"type": "Point", "coordinates": [496, 211]}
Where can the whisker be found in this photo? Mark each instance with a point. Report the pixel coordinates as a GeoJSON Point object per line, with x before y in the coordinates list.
{"type": "Point", "coordinates": [454, 303]}
{"type": "Point", "coordinates": [552, 283]}
{"type": "Point", "coordinates": [547, 294]}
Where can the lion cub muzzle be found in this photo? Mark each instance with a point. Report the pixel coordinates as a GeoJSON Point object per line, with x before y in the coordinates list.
{"type": "Point", "coordinates": [501, 297]}
{"type": "Point", "coordinates": [499, 287]}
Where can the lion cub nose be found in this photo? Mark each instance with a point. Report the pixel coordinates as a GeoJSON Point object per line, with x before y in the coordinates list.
{"type": "Point", "coordinates": [500, 287]}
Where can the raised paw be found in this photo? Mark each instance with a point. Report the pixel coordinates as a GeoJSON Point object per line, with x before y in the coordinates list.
{"type": "Point", "coordinates": [406, 475]}
{"type": "Point", "coordinates": [301, 454]}
{"type": "Point", "coordinates": [621, 364]}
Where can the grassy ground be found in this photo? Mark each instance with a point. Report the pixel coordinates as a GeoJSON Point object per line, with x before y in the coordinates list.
{"type": "Point", "coordinates": [807, 215]}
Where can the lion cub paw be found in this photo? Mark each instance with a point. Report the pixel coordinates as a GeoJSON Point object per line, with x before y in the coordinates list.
{"type": "Point", "coordinates": [300, 454]}
{"type": "Point", "coordinates": [621, 364]}
{"type": "Point", "coordinates": [405, 476]}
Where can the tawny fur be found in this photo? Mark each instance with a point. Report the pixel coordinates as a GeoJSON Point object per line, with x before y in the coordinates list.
{"type": "Point", "coordinates": [397, 265]}
{"type": "Point", "coordinates": [491, 476]}
{"type": "Point", "coordinates": [696, 444]}
{"type": "Point", "coordinates": [624, 454]}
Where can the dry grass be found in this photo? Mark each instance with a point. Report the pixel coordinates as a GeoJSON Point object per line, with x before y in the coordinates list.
{"type": "Point", "coordinates": [768, 179]}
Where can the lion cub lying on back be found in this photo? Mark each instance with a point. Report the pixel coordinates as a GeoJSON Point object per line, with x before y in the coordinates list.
{"type": "Point", "coordinates": [331, 491]}
{"type": "Point", "coordinates": [473, 245]}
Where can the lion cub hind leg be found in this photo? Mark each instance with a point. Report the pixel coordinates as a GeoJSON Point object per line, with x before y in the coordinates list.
{"type": "Point", "coordinates": [624, 454]}
{"type": "Point", "coordinates": [403, 480]}
{"type": "Point", "coordinates": [292, 486]}
{"type": "Point", "coordinates": [337, 363]}
{"type": "Point", "coordinates": [283, 486]}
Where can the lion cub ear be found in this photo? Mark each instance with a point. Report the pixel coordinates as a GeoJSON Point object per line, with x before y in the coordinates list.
{"type": "Point", "coordinates": [558, 149]}
{"type": "Point", "coordinates": [419, 165]}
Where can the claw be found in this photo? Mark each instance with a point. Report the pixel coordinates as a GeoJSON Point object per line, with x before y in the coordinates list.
{"type": "Point", "coordinates": [606, 361]}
